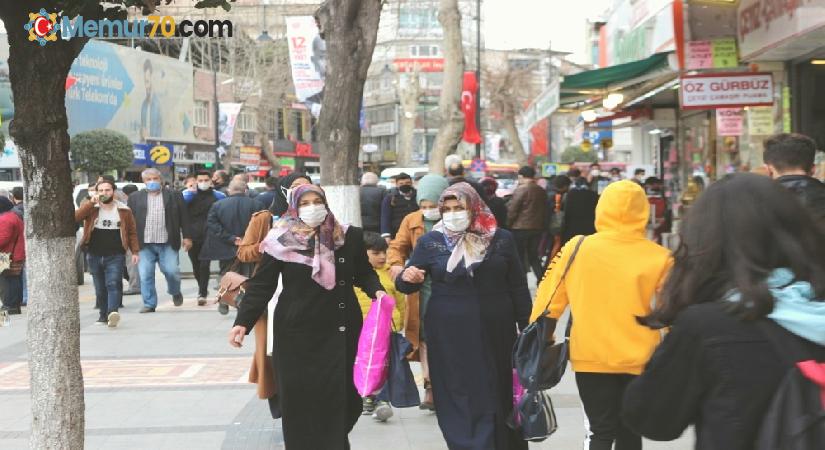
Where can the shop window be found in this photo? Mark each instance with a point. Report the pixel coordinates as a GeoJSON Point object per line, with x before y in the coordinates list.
{"type": "Point", "coordinates": [201, 118]}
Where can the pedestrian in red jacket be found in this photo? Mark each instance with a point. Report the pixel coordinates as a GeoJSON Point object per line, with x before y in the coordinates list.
{"type": "Point", "coordinates": [12, 242]}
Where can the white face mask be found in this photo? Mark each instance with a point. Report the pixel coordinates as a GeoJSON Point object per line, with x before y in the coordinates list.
{"type": "Point", "coordinates": [312, 215]}
{"type": "Point", "coordinates": [594, 172]}
{"type": "Point", "coordinates": [456, 221]}
{"type": "Point", "coordinates": [204, 186]}
{"type": "Point", "coordinates": [431, 214]}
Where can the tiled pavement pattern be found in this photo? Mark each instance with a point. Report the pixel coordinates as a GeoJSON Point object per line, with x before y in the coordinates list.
{"type": "Point", "coordinates": [169, 381]}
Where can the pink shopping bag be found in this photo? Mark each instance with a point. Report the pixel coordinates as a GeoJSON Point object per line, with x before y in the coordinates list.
{"type": "Point", "coordinates": [518, 393]}
{"type": "Point", "coordinates": [371, 367]}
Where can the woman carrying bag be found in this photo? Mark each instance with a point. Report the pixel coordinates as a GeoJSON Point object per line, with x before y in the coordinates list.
{"type": "Point", "coordinates": [613, 280]}
{"type": "Point", "coordinates": [317, 320]}
{"type": "Point", "coordinates": [479, 298]}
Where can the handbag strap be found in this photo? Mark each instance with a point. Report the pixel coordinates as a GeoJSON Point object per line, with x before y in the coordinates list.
{"type": "Point", "coordinates": [563, 276]}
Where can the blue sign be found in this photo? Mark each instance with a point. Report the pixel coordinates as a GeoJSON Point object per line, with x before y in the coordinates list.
{"type": "Point", "coordinates": [140, 151]}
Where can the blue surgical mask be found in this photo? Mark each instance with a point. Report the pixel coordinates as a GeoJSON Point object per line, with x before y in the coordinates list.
{"type": "Point", "coordinates": [153, 185]}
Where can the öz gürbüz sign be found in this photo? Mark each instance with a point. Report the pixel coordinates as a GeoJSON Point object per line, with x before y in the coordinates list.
{"type": "Point", "coordinates": [726, 90]}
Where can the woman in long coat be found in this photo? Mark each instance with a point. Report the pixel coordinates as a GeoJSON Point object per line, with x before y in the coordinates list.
{"type": "Point", "coordinates": [317, 320]}
{"type": "Point", "coordinates": [479, 297]}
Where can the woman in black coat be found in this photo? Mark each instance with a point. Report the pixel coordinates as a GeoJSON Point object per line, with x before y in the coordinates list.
{"type": "Point", "coordinates": [479, 297]}
{"type": "Point", "coordinates": [317, 319]}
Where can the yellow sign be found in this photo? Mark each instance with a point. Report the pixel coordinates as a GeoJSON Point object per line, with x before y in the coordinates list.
{"type": "Point", "coordinates": [586, 146]}
{"type": "Point", "coordinates": [160, 155]}
{"type": "Point", "coordinates": [606, 143]}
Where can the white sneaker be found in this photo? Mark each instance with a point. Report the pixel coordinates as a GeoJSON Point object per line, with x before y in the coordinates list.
{"type": "Point", "coordinates": [382, 412]}
{"type": "Point", "coordinates": [114, 319]}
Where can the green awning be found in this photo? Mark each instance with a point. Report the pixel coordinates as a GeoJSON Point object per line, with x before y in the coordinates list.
{"type": "Point", "coordinates": [608, 76]}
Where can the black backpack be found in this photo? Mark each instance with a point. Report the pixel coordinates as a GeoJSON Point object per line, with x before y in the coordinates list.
{"type": "Point", "coordinates": [795, 419]}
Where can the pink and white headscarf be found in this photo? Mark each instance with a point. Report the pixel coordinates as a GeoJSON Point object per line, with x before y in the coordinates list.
{"type": "Point", "coordinates": [291, 240]}
{"type": "Point", "coordinates": [470, 245]}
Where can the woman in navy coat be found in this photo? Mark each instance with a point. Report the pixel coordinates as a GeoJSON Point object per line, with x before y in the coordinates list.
{"type": "Point", "coordinates": [479, 298]}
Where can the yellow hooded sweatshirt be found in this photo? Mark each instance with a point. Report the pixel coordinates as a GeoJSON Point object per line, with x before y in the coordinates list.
{"type": "Point", "coordinates": [613, 279]}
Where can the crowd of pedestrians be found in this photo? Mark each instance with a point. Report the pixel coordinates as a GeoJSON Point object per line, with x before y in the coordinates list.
{"type": "Point", "coordinates": [699, 334]}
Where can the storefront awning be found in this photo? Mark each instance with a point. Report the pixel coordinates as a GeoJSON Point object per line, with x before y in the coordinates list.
{"type": "Point", "coordinates": [600, 80]}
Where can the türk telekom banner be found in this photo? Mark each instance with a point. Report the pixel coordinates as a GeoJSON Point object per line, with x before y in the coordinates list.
{"type": "Point", "coordinates": [726, 90]}
{"type": "Point", "coordinates": [308, 58]}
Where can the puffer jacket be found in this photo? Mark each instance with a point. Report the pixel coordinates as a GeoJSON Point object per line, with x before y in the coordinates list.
{"type": "Point", "coordinates": [810, 191]}
{"type": "Point", "coordinates": [371, 198]}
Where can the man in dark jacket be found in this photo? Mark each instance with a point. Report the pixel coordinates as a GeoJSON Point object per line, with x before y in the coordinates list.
{"type": "Point", "coordinates": [225, 226]}
{"type": "Point", "coordinates": [496, 204]}
{"type": "Point", "coordinates": [372, 196]}
{"type": "Point", "coordinates": [789, 158]}
{"type": "Point", "coordinates": [526, 215]}
{"type": "Point", "coordinates": [161, 218]}
{"type": "Point", "coordinates": [198, 201]}
{"type": "Point", "coordinates": [579, 210]}
{"type": "Point", "coordinates": [396, 205]}
{"type": "Point", "coordinates": [265, 198]}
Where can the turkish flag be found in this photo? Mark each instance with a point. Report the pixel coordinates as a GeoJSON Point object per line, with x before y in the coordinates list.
{"type": "Point", "coordinates": [468, 106]}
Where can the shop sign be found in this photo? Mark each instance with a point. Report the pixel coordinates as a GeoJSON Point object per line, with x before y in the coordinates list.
{"type": "Point", "coordinates": [638, 29]}
{"type": "Point", "coordinates": [250, 156]}
{"type": "Point", "coordinates": [424, 64]}
{"type": "Point", "coordinates": [369, 148]}
{"type": "Point", "coordinates": [717, 90]}
{"type": "Point", "coordinates": [760, 121]}
{"type": "Point", "coordinates": [139, 151]}
{"type": "Point", "coordinates": [765, 24]}
{"type": "Point", "coordinates": [786, 109]}
{"type": "Point", "coordinates": [182, 156]}
{"type": "Point", "coordinates": [730, 121]}
{"type": "Point", "coordinates": [303, 149]}
{"type": "Point", "coordinates": [287, 162]}
{"type": "Point", "coordinates": [544, 105]}
{"type": "Point", "coordinates": [715, 54]}
{"type": "Point", "coordinates": [161, 155]}
{"type": "Point", "coordinates": [389, 155]}
{"type": "Point", "coordinates": [382, 129]}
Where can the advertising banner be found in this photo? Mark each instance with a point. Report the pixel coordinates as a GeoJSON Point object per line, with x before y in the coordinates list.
{"type": "Point", "coordinates": [424, 64]}
{"type": "Point", "coordinates": [544, 105]}
{"type": "Point", "coordinates": [715, 54]}
{"type": "Point", "coordinates": [308, 58]}
{"type": "Point", "coordinates": [227, 116]}
{"type": "Point", "coordinates": [147, 97]}
{"type": "Point", "coordinates": [730, 121]}
{"type": "Point", "coordinates": [765, 24]}
{"type": "Point", "coordinates": [760, 121]}
{"type": "Point", "coordinates": [726, 90]}
{"type": "Point", "coordinates": [637, 29]}
{"type": "Point", "coordinates": [250, 156]}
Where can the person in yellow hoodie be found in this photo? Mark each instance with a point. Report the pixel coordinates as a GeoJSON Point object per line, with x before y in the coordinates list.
{"type": "Point", "coordinates": [613, 279]}
{"type": "Point", "coordinates": [377, 254]}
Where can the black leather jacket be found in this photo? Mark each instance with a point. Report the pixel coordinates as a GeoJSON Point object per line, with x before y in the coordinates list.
{"type": "Point", "coordinates": [810, 191]}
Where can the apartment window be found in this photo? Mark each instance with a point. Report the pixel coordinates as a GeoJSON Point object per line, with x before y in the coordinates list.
{"type": "Point", "coordinates": [201, 113]}
{"type": "Point", "coordinates": [279, 129]}
{"type": "Point", "coordinates": [246, 121]}
{"type": "Point", "coordinates": [424, 51]}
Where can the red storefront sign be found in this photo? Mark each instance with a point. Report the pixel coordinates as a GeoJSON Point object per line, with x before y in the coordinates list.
{"type": "Point", "coordinates": [424, 64]}
{"type": "Point", "coordinates": [726, 90]}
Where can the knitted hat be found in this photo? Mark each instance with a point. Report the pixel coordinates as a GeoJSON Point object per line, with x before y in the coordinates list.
{"type": "Point", "coordinates": [430, 187]}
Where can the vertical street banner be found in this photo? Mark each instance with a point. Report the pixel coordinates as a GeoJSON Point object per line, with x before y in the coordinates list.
{"type": "Point", "coordinates": [227, 116]}
{"type": "Point", "coordinates": [469, 91]}
{"type": "Point", "coordinates": [146, 96]}
{"type": "Point", "coordinates": [308, 59]}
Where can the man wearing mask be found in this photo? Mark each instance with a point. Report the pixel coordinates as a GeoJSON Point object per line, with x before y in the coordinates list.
{"type": "Point", "coordinates": [225, 226]}
{"type": "Point", "coordinates": [199, 198]}
{"type": "Point", "coordinates": [372, 196]}
{"type": "Point", "coordinates": [789, 158]}
{"type": "Point", "coordinates": [396, 205]}
{"type": "Point", "coordinates": [265, 198]}
{"type": "Point", "coordinates": [108, 233]}
{"type": "Point", "coordinates": [220, 180]}
{"type": "Point", "coordinates": [595, 179]}
{"type": "Point", "coordinates": [526, 216]}
{"type": "Point", "coordinates": [639, 176]}
{"type": "Point", "coordinates": [161, 218]}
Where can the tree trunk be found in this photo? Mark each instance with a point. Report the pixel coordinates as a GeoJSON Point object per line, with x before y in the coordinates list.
{"type": "Point", "coordinates": [515, 141]}
{"type": "Point", "coordinates": [350, 28]}
{"type": "Point", "coordinates": [452, 119]}
{"type": "Point", "coordinates": [39, 128]}
{"type": "Point", "coordinates": [409, 111]}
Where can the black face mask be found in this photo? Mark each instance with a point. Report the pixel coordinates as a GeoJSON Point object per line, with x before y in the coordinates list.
{"type": "Point", "coordinates": [405, 189]}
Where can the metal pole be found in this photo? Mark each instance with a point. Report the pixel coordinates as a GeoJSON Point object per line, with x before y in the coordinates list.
{"type": "Point", "coordinates": [478, 74]}
{"type": "Point", "coordinates": [552, 76]}
{"type": "Point", "coordinates": [216, 112]}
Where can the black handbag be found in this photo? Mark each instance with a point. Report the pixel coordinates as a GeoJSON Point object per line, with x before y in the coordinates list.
{"type": "Point", "coordinates": [539, 362]}
{"type": "Point", "coordinates": [538, 419]}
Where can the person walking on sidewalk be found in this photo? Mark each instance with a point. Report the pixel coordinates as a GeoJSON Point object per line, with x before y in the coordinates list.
{"type": "Point", "coordinates": [377, 255]}
{"type": "Point", "coordinates": [131, 269]}
{"type": "Point", "coordinates": [227, 221]}
{"type": "Point", "coordinates": [161, 218]}
{"type": "Point", "coordinates": [611, 281]}
{"type": "Point", "coordinates": [479, 298]}
{"type": "Point", "coordinates": [790, 161]}
{"type": "Point", "coordinates": [109, 231]}
{"type": "Point", "coordinates": [19, 209]}
{"type": "Point", "coordinates": [199, 198]}
{"type": "Point", "coordinates": [526, 217]}
{"type": "Point", "coordinates": [317, 321]}
{"type": "Point", "coordinates": [396, 205]}
{"type": "Point", "coordinates": [749, 275]}
{"type": "Point", "coordinates": [372, 196]}
{"type": "Point", "coordinates": [412, 228]}
{"type": "Point", "coordinates": [12, 242]}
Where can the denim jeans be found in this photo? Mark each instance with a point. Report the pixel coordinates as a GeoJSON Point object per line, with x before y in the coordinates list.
{"type": "Point", "coordinates": [13, 295]}
{"type": "Point", "coordinates": [107, 272]}
{"type": "Point", "coordinates": [167, 258]}
{"type": "Point", "coordinates": [25, 288]}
